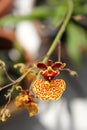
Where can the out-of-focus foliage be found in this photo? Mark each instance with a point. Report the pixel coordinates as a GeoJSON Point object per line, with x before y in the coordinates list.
{"type": "Point", "coordinates": [76, 41]}
{"type": "Point", "coordinates": [59, 13]}
{"type": "Point", "coordinates": [80, 7]}
{"type": "Point", "coordinates": [54, 12]}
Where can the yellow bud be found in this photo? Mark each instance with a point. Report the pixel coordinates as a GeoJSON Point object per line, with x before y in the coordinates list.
{"type": "Point", "coordinates": [19, 65]}
{"type": "Point", "coordinates": [73, 73]}
{"type": "Point", "coordinates": [2, 63]}
{"type": "Point", "coordinates": [19, 88]}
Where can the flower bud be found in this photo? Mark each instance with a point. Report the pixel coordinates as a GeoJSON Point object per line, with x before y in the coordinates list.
{"type": "Point", "coordinates": [19, 65]}
{"type": "Point", "coordinates": [19, 88]}
{"type": "Point", "coordinates": [2, 64]}
{"type": "Point", "coordinates": [73, 73]}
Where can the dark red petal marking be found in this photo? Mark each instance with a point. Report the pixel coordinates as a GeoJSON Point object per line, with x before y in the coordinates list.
{"type": "Point", "coordinates": [57, 65]}
{"type": "Point", "coordinates": [49, 63]}
{"type": "Point", "coordinates": [41, 65]}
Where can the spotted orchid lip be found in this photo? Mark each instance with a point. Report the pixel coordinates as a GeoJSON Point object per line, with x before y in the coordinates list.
{"type": "Point", "coordinates": [46, 90]}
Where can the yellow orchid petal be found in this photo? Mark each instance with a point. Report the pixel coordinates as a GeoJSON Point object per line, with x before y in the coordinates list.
{"type": "Point", "coordinates": [32, 108]}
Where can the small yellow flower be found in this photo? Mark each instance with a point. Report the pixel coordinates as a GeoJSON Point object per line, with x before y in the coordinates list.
{"type": "Point", "coordinates": [32, 108]}
{"type": "Point", "coordinates": [22, 100]}
{"type": "Point", "coordinates": [25, 100]}
{"type": "Point", "coordinates": [31, 76]}
{"type": "Point", "coordinates": [5, 114]}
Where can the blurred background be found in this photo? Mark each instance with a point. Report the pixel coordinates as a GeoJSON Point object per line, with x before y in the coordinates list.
{"type": "Point", "coordinates": [27, 29]}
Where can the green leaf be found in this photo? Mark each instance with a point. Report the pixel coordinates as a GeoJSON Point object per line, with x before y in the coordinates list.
{"type": "Point", "coordinates": [82, 10]}
{"type": "Point", "coordinates": [76, 40]}
{"type": "Point", "coordinates": [38, 13]}
{"type": "Point", "coordinates": [80, 7]}
{"type": "Point", "coordinates": [59, 12]}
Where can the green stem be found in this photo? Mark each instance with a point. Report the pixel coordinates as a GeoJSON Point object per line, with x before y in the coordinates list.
{"type": "Point", "coordinates": [61, 31]}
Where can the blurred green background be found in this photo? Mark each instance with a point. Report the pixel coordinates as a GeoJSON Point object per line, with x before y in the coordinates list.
{"type": "Point", "coordinates": [27, 29]}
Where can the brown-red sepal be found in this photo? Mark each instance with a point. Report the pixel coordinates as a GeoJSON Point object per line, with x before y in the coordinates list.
{"type": "Point", "coordinates": [41, 65]}
{"type": "Point", "coordinates": [58, 65]}
{"type": "Point", "coordinates": [50, 70]}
